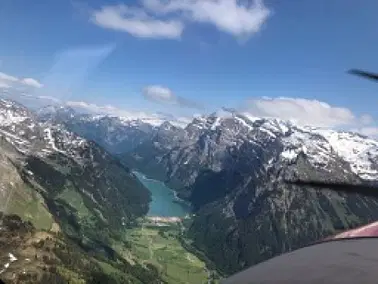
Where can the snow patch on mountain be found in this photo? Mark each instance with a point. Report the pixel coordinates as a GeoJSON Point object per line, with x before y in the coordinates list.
{"type": "Point", "coordinates": [20, 127]}
{"type": "Point", "coordinates": [50, 140]}
{"type": "Point", "coordinates": [360, 152]}
{"type": "Point", "coordinates": [321, 147]}
{"type": "Point", "coordinates": [10, 114]}
{"type": "Point", "coordinates": [217, 132]}
{"type": "Point", "coordinates": [62, 112]}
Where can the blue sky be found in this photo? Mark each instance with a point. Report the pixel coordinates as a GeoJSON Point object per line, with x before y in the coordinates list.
{"type": "Point", "coordinates": [193, 56]}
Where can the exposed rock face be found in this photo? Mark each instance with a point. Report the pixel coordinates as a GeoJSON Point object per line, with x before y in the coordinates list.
{"type": "Point", "coordinates": [44, 163]}
{"type": "Point", "coordinates": [233, 170]}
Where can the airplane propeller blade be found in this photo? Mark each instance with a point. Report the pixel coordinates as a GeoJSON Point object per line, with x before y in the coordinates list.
{"type": "Point", "coordinates": [365, 74]}
{"type": "Point", "coordinates": [363, 189]}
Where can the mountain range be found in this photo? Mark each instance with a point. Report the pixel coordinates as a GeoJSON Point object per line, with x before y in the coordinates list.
{"type": "Point", "coordinates": [65, 201]}
{"type": "Point", "coordinates": [232, 168]}
{"type": "Point", "coordinates": [116, 134]}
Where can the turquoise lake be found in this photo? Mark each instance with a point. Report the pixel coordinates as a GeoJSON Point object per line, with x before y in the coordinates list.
{"type": "Point", "coordinates": [163, 202]}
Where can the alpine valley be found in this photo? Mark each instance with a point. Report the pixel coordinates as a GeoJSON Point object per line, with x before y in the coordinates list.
{"type": "Point", "coordinates": [74, 211]}
{"type": "Point", "coordinates": [71, 212]}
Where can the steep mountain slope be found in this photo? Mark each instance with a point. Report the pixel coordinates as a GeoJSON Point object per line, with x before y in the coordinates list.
{"type": "Point", "coordinates": [57, 159]}
{"type": "Point", "coordinates": [28, 255]}
{"type": "Point", "coordinates": [62, 182]}
{"type": "Point", "coordinates": [232, 168]}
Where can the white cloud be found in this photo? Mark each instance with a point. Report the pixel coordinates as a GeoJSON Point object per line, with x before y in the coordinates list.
{"type": "Point", "coordinates": [368, 131]}
{"type": "Point", "coordinates": [92, 107]}
{"type": "Point", "coordinates": [48, 98]}
{"type": "Point", "coordinates": [6, 77]}
{"type": "Point", "coordinates": [160, 94]}
{"type": "Point", "coordinates": [9, 81]}
{"type": "Point", "coordinates": [238, 18]}
{"type": "Point", "coordinates": [31, 82]}
{"type": "Point", "coordinates": [152, 118]}
{"type": "Point", "coordinates": [4, 85]}
{"type": "Point", "coordinates": [104, 109]}
{"type": "Point", "coordinates": [136, 22]}
{"type": "Point", "coordinates": [311, 113]}
{"type": "Point", "coordinates": [302, 111]}
{"type": "Point", "coordinates": [366, 119]}
{"type": "Point", "coordinates": [167, 18]}
{"type": "Point", "coordinates": [42, 98]}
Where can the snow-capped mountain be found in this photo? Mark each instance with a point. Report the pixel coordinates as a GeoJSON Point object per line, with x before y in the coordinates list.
{"type": "Point", "coordinates": [63, 201]}
{"type": "Point", "coordinates": [51, 159]}
{"type": "Point", "coordinates": [117, 134]}
{"type": "Point", "coordinates": [232, 168]}
{"type": "Point", "coordinates": [21, 128]}
{"type": "Point", "coordinates": [54, 113]}
{"type": "Point", "coordinates": [210, 139]}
